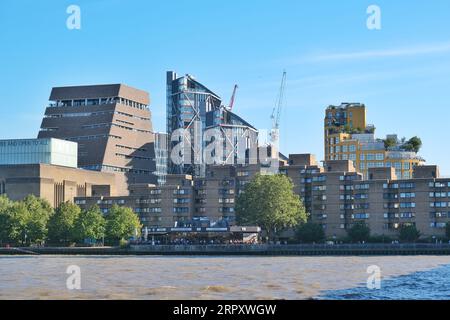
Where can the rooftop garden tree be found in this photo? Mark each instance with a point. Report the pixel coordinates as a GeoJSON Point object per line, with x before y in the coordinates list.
{"type": "Point", "coordinates": [414, 144]}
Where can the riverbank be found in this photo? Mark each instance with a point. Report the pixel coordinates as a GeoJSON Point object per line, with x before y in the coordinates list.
{"type": "Point", "coordinates": [243, 250]}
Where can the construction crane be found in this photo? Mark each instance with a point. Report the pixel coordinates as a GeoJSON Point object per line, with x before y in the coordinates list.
{"type": "Point", "coordinates": [276, 113]}
{"type": "Point", "coordinates": [233, 96]}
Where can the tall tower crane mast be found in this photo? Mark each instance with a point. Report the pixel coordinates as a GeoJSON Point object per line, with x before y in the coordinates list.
{"type": "Point", "coordinates": [276, 113]}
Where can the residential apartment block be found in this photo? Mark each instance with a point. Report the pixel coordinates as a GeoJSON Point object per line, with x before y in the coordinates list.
{"type": "Point", "coordinates": [337, 197]}
{"type": "Point", "coordinates": [183, 198]}
{"type": "Point", "coordinates": [349, 137]}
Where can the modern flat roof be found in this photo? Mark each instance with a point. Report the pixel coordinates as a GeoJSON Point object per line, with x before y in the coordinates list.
{"type": "Point", "coordinates": [100, 91]}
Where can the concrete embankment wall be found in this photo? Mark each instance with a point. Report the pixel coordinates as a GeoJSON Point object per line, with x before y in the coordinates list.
{"type": "Point", "coordinates": [244, 250]}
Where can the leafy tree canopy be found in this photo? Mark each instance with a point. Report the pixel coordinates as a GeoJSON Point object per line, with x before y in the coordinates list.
{"type": "Point", "coordinates": [122, 223]}
{"type": "Point", "coordinates": [269, 202]}
{"type": "Point", "coordinates": [61, 224]}
{"type": "Point", "coordinates": [90, 224]}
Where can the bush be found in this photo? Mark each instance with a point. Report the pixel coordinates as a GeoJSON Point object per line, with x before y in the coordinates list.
{"type": "Point", "coordinates": [310, 232]}
{"type": "Point", "coordinates": [359, 232]}
{"type": "Point", "coordinates": [409, 233]}
{"type": "Point", "coordinates": [380, 239]}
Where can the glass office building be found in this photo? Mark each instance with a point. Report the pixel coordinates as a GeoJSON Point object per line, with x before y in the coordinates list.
{"type": "Point", "coordinates": [35, 151]}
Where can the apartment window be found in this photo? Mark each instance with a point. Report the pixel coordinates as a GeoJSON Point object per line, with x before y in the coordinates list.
{"type": "Point", "coordinates": [439, 215]}
{"type": "Point", "coordinates": [361, 157]}
{"type": "Point", "coordinates": [406, 165]}
{"type": "Point", "coordinates": [379, 156]}
{"type": "Point", "coordinates": [438, 204]}
{"type": "Point", "coordinates": [438, 194]}
{"type": "Point", "coordinates": [360, 216]}
{"type": "Point", "coordinates": [352, 148]}
{"type": "Point", "coordinates": [407, 195]}
{"type": "Point", "coordinates": [352, 157]}
{"type": "Point", "coordinates": [344, 149]}
{"type": "Point", "coordinates": [439, 225]}
{"type": "Point", "coordinates": [319, 179]}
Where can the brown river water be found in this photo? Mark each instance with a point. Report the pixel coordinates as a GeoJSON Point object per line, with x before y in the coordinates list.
{"type": "Point", "coordinates": [158, 277]}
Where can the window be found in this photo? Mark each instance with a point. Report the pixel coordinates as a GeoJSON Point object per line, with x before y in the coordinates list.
{"type": "Point", "coordinates": [379, 156]}
{"type": "Point", "coordinates": [352, 148]}
{"type": "Point", "coordinates": [438, 204]}
{"type": "Point", "coordinates": [360, 216]}
{"type": "Point", "coordinates": [407, 195]}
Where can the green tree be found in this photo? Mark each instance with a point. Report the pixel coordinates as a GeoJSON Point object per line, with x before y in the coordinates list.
{"type": "Point", "coordinates": [409, 233]}
{"type": "Point", "coordinates": [40, 212]}
{"type": "Point", "coordinates": [447, 230]}
{"type": "Point", "coordinates": [389, 143]}
{"type": "Point", "coordinates": [359, 232]}
{"type": "Point", "coordinates": [414, 144]}
{"type": "Point", "coordinates": [19, 217]}
{"type": "Point", "coordinates": [269, 202]}
{"type": "Point", "coordinates": [5, 222]}
{"type": "Point", "coordinates": [122, 223]}
{"type": "Point", "coordinates": [61, 226]}
{"type": "Point", "coordinates": [310, 232]}
{"type": "Point", "coordinates": [90, 224]}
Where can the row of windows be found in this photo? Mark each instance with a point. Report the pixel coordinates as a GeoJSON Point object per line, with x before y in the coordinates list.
{"type": "Point", "coordinates": [99, 101]}
{"type": "Point", "coordinates": [403, 215]}
{"type": "Point", "coordinates": [93, 137]}
{"type": "Point", "coordinates": [399, 205]}
{"type": "Point", "coordinates": [403, 185]}
{"type": "Point", "coordinates": [439, 184]}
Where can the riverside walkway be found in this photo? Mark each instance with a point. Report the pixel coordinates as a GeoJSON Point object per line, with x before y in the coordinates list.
{"type": "Point", "coordinates": [242, 249]}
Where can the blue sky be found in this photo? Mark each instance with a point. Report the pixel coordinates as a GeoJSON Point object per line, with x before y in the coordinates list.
{"type": "Point", "coordinates": [400, 72]}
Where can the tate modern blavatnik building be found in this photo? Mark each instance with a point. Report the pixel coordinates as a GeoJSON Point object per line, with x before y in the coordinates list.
{"type": "Point", "coordinates": [111, 124]}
